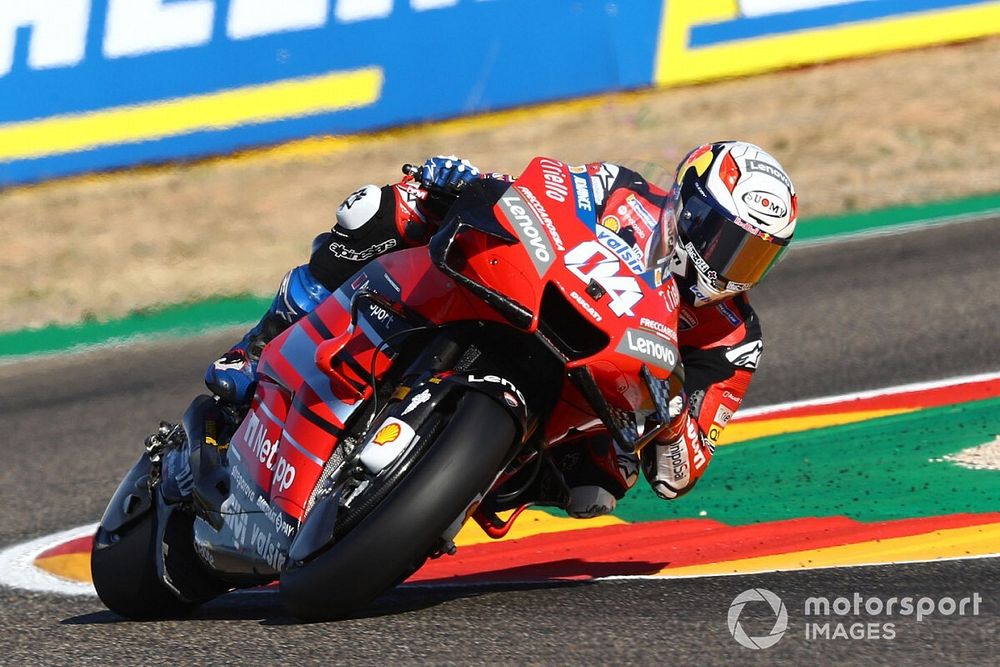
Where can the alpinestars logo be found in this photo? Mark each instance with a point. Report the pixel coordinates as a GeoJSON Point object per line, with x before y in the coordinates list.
{"type": "Point", "coordinates": [353, 198]}
{"type": "Point", "coordinates": [603, 180]}
{"type": "Point", "coordinates": [747, 355]}
{"type": "Point", "coordinates": [342, 251]}
{"type": "Point", "coordinates": [780, 620]}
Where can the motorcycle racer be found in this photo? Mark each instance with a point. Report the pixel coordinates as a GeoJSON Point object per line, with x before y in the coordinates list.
{"type": "Point", "coordinates": [734, 211]}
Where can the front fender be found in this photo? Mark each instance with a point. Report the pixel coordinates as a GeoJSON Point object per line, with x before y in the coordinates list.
{"type": "Point", "coordinates": [164, 535]}
{"type": "Point", "coordinates": [500, 389]}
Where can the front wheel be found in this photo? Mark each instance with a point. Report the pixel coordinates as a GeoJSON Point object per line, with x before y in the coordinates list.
{"type": "Point", "coordinates": [405, 527]}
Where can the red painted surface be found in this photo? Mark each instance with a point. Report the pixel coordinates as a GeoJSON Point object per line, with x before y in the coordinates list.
{"type": "Point", "coordinates": [78, 546]}
{"type": "Point", "coordinates": [647, 548]}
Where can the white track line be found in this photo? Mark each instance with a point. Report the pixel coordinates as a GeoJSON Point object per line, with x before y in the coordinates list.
{"type": "Point", "coordinates": [869, 393]}
{"type": "Point", "coordinates": [17, 569]}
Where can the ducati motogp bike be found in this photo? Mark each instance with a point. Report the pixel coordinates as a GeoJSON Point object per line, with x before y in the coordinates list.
{"type": "Point", "coordinates": [427, 391]}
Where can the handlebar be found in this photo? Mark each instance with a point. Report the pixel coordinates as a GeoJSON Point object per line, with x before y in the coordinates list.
{"type": "Point", "coordinates": [436, 201]}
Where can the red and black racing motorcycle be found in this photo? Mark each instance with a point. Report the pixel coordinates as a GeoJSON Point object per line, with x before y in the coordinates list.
{"type": "Point", "coordinates": [427, 390]}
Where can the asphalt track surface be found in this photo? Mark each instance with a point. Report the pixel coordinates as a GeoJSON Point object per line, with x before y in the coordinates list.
{"type": "Point", "coordinates": [837, 318]}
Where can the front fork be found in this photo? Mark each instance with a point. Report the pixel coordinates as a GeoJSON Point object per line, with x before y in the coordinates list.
{"type": "Point", "coordinates": [441, 368]}
{"type": "Point", "coordinates": [485, 507]}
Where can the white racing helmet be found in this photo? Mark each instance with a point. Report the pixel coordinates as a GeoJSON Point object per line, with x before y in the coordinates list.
{"type": "Point", "coordinates": [735, 210]}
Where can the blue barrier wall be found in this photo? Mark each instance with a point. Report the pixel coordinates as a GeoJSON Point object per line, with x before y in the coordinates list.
{"type": "Point", "coordinates": [96, 84]}
{"type": "Point", "coordinates": [347, 74]}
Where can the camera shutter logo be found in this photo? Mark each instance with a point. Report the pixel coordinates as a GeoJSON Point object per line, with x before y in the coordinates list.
{"type": "Point", "coordinates": [780, 621]}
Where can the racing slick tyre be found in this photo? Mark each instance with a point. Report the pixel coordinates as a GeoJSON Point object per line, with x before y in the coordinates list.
{"type": "Point", "coordinates": [406, 526]}
{"type": "Point", "coordinates": [123, 567]}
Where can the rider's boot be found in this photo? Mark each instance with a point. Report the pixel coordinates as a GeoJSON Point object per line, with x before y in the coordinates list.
{"type": "Point", "coordinates": [232, 376]}
{"type": "Point", "coordinates": [603, 475]}
{"type": "Point", "coordinates": [585, 477]}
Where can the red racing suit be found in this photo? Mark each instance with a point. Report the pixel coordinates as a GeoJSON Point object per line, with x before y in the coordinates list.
{"type": "Point", "coordinates": [720, 343]}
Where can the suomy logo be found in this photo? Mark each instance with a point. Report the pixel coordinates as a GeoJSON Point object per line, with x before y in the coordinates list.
{"type": "Point", "coordinates": [765, 203]}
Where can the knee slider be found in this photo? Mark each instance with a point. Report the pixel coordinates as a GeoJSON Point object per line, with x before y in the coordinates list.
{"type": "Point", "coordinates": [586, 502]}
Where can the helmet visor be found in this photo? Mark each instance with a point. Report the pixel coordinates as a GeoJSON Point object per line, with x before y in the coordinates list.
{"type": "Point", "coordinates": [735, 251]}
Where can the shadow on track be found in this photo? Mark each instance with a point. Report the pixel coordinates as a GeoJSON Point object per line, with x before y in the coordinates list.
{"type": "Point", "coordinates": [264, 604]}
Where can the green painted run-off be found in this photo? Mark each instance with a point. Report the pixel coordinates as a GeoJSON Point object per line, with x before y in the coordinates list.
{"type": "Point", "coordinates": [875, 470]}
{"type": "Point", "coordinates": [172, 321]}
{"type": "Point", "coordinates": [205, 316]}
{"type": "Point", "coordinates": [892, 219]}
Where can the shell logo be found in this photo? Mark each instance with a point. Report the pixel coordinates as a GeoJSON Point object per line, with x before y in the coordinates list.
{"type": "Point", "coordinates": [387, 434]}
{"type": "Point", "coordinates": [612, 223]}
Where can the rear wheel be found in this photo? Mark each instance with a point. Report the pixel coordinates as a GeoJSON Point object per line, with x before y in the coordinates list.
{"type": "Point", "coordinates": [123, 567]}
{"type": "Point", "coordinates": [405, 527]}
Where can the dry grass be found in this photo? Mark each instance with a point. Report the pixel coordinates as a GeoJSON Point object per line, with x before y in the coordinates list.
{"type": "Point", "coordinates": [905, 127]}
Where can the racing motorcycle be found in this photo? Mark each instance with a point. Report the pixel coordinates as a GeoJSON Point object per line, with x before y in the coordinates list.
{"type": "Point", "coordinates": [428, 390]}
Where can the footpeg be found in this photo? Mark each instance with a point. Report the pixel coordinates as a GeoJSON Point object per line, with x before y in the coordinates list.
{"type": "Point", "coordinates": [167, 436]}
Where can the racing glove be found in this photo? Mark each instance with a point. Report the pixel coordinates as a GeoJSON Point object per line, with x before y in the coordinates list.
{"type": "Point", "coordinates": [674, 462]}
{"type": "Point", "coordinates": [448, 172]}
